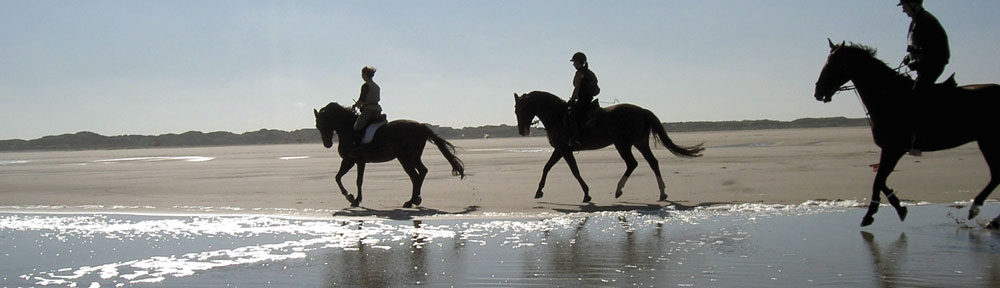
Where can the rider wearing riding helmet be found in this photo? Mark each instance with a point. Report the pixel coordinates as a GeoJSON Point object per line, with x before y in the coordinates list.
{"type": "Point", "coordinates": [584, 89]}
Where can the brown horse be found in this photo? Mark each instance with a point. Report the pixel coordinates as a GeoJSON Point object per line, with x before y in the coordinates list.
{"type": "Point", "coordinates": [952, 117]}
{"type": "Point", "coordinates": [400, 139]}
{"type": "Point", "coordinates": [622, 125]}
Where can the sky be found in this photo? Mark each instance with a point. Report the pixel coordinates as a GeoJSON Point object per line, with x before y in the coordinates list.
{"type": "Point", "coordinates": [155, 67]}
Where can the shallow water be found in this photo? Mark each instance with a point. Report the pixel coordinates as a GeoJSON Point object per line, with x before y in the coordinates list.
{"type": "Point", "coordinates": [745, 245]}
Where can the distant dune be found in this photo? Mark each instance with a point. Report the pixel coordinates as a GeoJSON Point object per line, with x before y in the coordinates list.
{"type": "Point", "coordinates": [93, 141]}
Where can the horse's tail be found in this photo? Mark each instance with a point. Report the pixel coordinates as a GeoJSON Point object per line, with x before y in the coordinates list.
{"type": "Point", "coordinates": [658, 132]}
{"type": "Point", "coordinates": [448, 150]}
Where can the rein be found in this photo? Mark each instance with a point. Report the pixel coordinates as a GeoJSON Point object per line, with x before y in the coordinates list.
{"type": "Point", "coordinates": [868, 114]}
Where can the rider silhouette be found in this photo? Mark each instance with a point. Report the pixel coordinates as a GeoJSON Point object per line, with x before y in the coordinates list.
{"type": "Point", "coordinates": [367, 103]}
{"type": "Point", "coordinates": [584, 89]}
{"type": "Point", "coordinates": [927, 49]}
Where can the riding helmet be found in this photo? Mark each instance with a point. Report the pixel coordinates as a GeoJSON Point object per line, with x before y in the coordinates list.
{"type": "Point", "coordinates": [579, 57]}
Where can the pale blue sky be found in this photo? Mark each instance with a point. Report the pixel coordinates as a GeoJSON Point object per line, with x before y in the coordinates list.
{"type": "Point", "coordinates": [153, 67]}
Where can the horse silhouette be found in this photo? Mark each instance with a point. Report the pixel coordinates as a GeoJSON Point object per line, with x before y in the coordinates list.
{"type": "Point", "coordinates": [622, 125]}
{"type": "Point", "coordinates": [951, 117]}
{"type": "Point", "coordinates": [399, 139]}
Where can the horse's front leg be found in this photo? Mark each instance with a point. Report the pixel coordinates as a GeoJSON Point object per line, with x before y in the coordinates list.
{"type": "Point", "coordinates": [361, 178]}
{"type": "Point", "coordinates": [887, 163]}
{"type": "Point", "coordinates": [345, 166]}
{"type": "Point", "coordinates": [571, 161]}
{"type": "Point", "coordinates": [545, 171]}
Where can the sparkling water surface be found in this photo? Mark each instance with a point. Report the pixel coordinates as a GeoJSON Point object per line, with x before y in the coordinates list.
{"type": "Point", "coordinates": [817, 243]}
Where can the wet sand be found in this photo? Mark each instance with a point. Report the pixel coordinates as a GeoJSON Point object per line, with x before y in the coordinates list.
{"type": "Point", "coordinates": [766, 166]}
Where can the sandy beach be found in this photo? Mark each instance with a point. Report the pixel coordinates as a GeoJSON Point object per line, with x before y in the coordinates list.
{"type": "Point", "coordinates": [254, 216]}
{"type": "Point", "coordinates": [763, 166]}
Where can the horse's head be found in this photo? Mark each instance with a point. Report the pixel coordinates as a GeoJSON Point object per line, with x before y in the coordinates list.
{"type": "Point", "coordinates": [833, 74]}
{"type": "Point", "coordinates": [327, 120]}
{"type": "Point", "coordinates": [525, 113]}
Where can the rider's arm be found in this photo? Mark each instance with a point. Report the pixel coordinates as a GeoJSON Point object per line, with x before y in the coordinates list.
{"type": "Point", "coordinates": [362, 98]}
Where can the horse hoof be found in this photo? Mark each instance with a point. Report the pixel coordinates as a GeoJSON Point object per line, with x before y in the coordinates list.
{"type": "Point", "coordinates": [868, 220]}
{"type": "Point", "coordinates": [539, 194]}
{"type": "Point", "coordinates": [417, 200]}
{"type": "Point", "coordinates": [350, 198]}
{"type": "Point", "coordinates": [408, 204]}
{"type": "Point", "coordinates": [618, 194]}
{"type": "Point", "coordinates": [663, 197]}
{"type": "Point", "coordinates": [586, 199]}
{"type": "Point", "coordinates": [995, 224]}
{"type": "Point", "coordinates": [355, 203]}
{"type": "Point", "coordinates": [973, 211]}
{"type": "Point", "coordinates": [902, 213]}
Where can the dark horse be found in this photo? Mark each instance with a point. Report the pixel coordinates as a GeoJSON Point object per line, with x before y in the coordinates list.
{"type": "Point", "coordinates": [399, 139]}
{"type": "Point", "coordinates": [623, 125]}
{"type": "Point", "coordinates": [953, 117]}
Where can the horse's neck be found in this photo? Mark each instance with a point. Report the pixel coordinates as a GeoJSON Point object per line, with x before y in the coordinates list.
{"type": "Point", "coordinates": [551, 114]}
{"type": "Point", "coordinates": [345, 131]}
{"type": "Point", "coordinates": [881, 88]}
{"type": "Point", "coordinates": [883, 93]}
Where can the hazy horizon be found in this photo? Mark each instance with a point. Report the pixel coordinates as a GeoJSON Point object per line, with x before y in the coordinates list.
{"type": "Point", "coordinates": [159, 67]}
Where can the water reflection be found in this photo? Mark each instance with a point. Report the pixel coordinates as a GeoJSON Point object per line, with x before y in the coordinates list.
{"type": "Point", "coordinates": [370, 265]}
{"type": "Point", "coordinates": [985, 249]}
{"type": "Point", "coordinates": [886, 264]}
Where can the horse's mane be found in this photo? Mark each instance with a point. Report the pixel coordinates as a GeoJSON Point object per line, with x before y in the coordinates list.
{"type": "Point", "coordinates": [871, 54]}
{"type": "Point", "coordinates": [544, 96]}
{"type": "Point", "coordinates": [335, 112]}
{"type": "Point", "coordinates": [332, 107]}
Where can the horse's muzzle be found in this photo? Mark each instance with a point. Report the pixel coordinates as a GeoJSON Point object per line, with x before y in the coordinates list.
{"type": "Point", "coordinates": [825, 96]}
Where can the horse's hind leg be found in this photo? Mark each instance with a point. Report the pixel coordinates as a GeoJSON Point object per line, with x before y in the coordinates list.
{"type": "Point", "coordinates": [887, 163]}
{"type": "Point", "coordinates": [361, 179]}
{"type": "Point", "coordinates": [992, 160]}
{"type": "Point", "coordinates": [417, 172]}
{"type": "Point", "coordinates": [571, 161]}
{"type": "Point", "coordinates": [625, 151]}
{"type": "Point", "coordinates": [655, 165]}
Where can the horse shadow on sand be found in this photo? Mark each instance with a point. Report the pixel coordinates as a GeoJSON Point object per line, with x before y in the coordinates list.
{"type": "Point", "coordinates": [641, 208]}
{"type": "Point", "coordinates": [401, 213]}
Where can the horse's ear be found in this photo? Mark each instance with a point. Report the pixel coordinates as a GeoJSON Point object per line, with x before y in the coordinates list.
{"type": "Point", "coordinates": [315, 113]}
{"type": "Point", "coordinates": [515, 96]}
{"type": "Point", "coordinates": [832, 47]}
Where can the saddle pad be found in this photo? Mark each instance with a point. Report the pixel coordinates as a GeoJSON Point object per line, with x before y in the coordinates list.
{"type": "Point", "coordinates": [370, 131]}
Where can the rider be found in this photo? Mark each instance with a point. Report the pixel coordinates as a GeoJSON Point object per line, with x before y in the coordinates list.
{"type": "Point", "coordinates": [367, 103]}
{"type": "Point", "coordinates": [928, 44]}
{"type": "Point", "coordinates": [927, 49]}
{"type": "Point", "coordinates": [584, 89]}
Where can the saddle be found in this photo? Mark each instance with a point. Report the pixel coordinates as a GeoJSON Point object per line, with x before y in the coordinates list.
{"type": "Point", "coordinates": [945, 86]}
{"type": "Point", "coordinates": [590, 114]}
{"type": "Point", "coordinates": [377, 122]}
